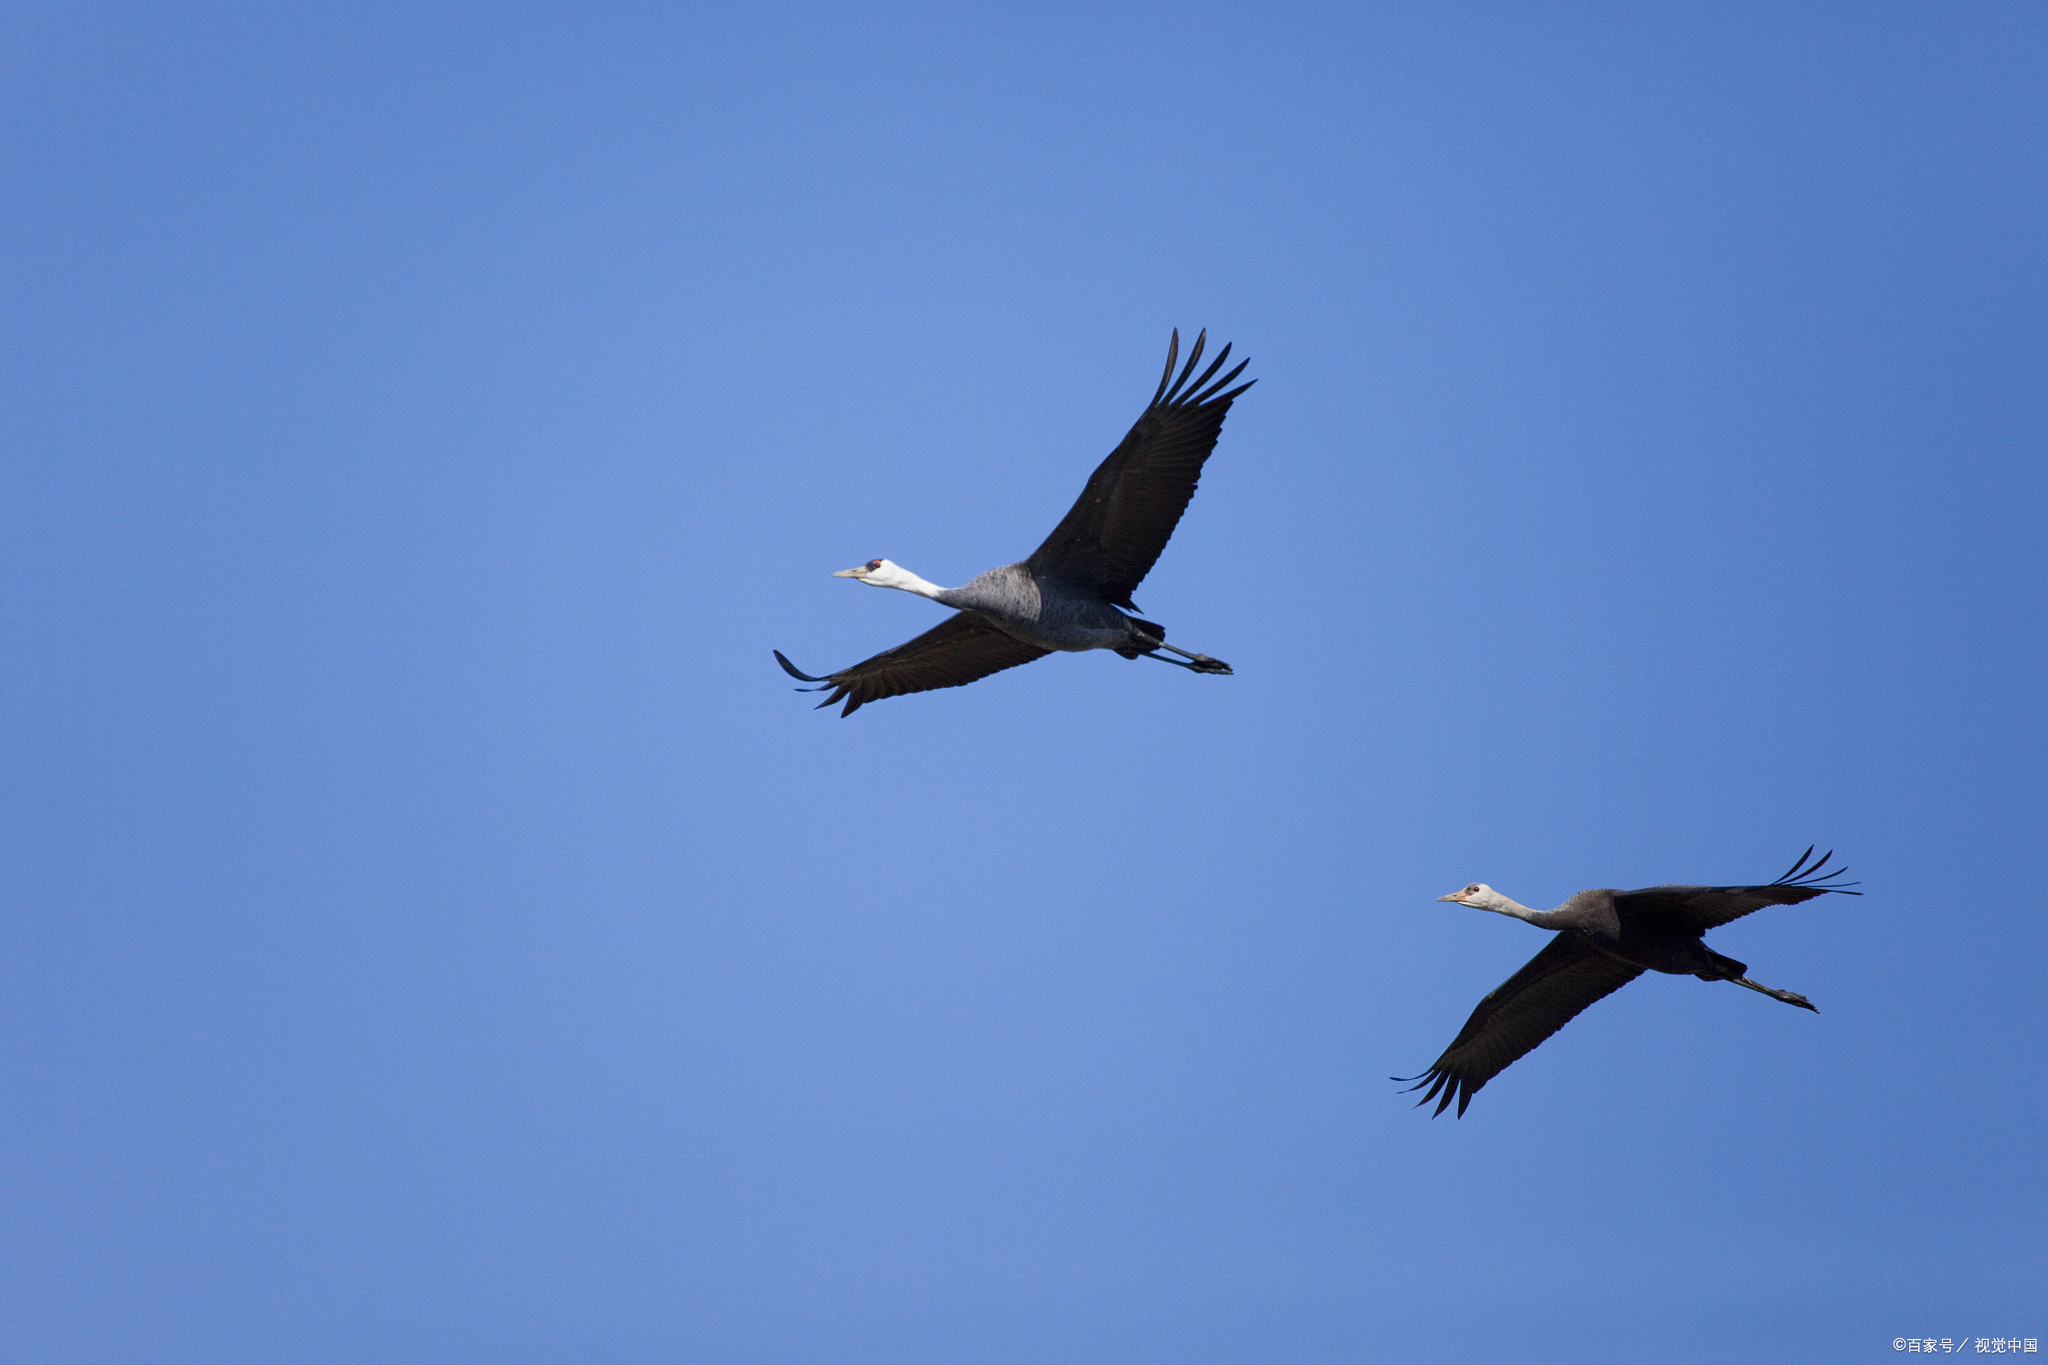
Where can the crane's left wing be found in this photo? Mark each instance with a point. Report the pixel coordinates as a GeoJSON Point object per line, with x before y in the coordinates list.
{"type": "Point", "coordinates": [1700, 908]}
{"type": "Point", "coordinates": [1550, 990]}
{"type": "Point", "coordinates": [960, 649]}
{"type": "Point", "coordinates": [1114, 533]}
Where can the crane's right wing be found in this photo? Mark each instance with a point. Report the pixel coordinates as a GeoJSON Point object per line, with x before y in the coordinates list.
{"type": "Point", "coordinates": [1552, 987]}
{"type": "Point", "coordinates": [1113, 534]}
{"type": "Point", "coordinates": [1700, 908]}
{"type": "Point", "coordinates": [960, 649]}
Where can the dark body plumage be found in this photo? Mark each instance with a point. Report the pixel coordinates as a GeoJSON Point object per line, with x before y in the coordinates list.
{"type": "Point", "coordinates": [1074, 591]}
{"type": "Point", "coordinates": [1605, 939]}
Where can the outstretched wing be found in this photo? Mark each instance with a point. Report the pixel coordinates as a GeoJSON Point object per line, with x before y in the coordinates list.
{"type": "Point", "coordinates": [960, 649]}
{"type": "Point", "coordinates": [1552, 987]}
{"type": "Point", "coordinates": [1700, 908]}
{"type": "Point", "coordinates": [1114, 533]}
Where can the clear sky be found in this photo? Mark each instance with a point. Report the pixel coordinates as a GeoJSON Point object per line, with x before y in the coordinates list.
{"type": "Point", "coordinates": [434, 932]}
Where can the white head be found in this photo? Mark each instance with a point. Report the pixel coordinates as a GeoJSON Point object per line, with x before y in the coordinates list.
{"type": "Point", "coordinates": [880, 573]}
{"type": "Point", "coordinates": [1480, 896]}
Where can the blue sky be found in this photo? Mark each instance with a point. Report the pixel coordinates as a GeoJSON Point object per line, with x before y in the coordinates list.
{"type": "Point", "coordinates": [435, 932]}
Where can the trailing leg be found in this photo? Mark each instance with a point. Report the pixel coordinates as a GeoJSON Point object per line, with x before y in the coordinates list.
{"type": "Point", "coordinates": [1213, 666]}
{"type": "Point", "coordinates": [1787, 996]}
{"type": "Point", "coordinates": [1202, 662]}
{"type": "Point", "coordinates": [1149, 638]}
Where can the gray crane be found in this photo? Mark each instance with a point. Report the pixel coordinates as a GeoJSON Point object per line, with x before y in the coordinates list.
{"type": "Point", "coordinates": [1067, 595]}
{"type": "Point", "coordinates": [1605, 939]}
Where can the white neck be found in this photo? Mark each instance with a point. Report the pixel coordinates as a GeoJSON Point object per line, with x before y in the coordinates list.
{"type": "Point", "coordinates": [896, 576]}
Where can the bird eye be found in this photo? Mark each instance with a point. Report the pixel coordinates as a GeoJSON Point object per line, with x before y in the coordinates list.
{"type": "Point", "coordinates": [1472, 888]}
{"type": "Point", "coordinates": [874, 563]}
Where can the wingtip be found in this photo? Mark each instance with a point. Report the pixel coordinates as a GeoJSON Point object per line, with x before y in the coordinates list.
{"type": "Point", "coordinates": [1194, 359]}
{"type": "Point", "coordinates": [1798, 863]}
{"type": "Point", "coordinates": [1172, 354]}
{"type": "Point", "coordinates": [1813, 875]}
{"type": "Point", "coordinates": [792, 669]}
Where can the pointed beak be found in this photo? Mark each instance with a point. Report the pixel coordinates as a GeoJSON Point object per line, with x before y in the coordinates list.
{"type": "Point", "coordinates": [1453, 896]}
{"type": "Point", "coordinates": [852, 573]}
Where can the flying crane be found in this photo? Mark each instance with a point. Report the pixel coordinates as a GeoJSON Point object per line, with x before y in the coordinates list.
{"type": "Point", "coordinates": [1074, 591]}
{"type": "Point", "coordinates": [1605, 939]}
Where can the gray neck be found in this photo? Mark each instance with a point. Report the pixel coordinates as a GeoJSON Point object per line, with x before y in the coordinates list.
{"type": "Point", "coordinates": [1501, 905]}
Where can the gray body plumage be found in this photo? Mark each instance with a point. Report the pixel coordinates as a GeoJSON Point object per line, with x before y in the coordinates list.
{"type": "Point", "coordinates": [1044, 612]}
{"type": "Point", "coordinates": [1652, 943]}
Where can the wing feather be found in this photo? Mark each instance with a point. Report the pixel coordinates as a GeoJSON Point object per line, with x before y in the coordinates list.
{"type": "Point", "coordinates": [961, 649]}
{"type": "Point", "coordinates": [1700, 908]}
{"type": "Point", "coordinates": [1550, 990]}
{"type": "Point", "coordinates": [1114, 533]}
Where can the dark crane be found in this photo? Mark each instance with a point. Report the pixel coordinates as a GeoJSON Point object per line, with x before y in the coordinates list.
{"type": "Point", "coordinates": [1067, 595]}
{"type": "Point", "coordinates": [1605, 939]}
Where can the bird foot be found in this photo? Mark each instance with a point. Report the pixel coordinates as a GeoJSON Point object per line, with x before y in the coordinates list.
{"type": "Point", "coordinates": [1202, 662]}
{"type": "Point", "coordinates": [1789, 997]}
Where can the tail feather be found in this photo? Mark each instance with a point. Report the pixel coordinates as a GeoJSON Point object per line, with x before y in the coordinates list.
{"type": "Point", "coordinates": [1725, 968]}
{"type": "Point", "coordinates": [1157, 632]}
